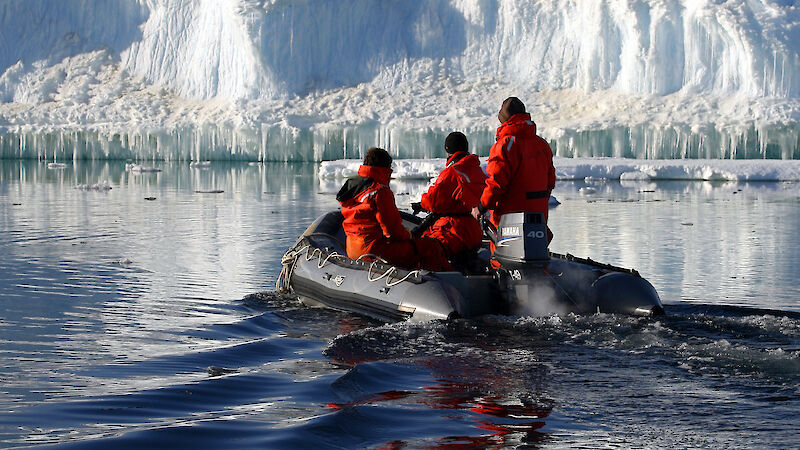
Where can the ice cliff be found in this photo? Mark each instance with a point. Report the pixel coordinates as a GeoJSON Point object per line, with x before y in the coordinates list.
{"type": "Point", "coordinates": [323, 79]}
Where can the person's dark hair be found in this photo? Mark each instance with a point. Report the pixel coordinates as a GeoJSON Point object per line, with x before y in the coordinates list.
{"type": "Point", "coordinates": [511, 106]}
{"type": "Point", "coordinates": [378, 157]}
{"type": "Point", "coordinates": [456, 142]}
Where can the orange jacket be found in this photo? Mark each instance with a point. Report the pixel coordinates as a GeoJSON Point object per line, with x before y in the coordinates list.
{"type": "Point", "coordinates": [370, 213]}
{"type": "Point", "coordinates": [520, 169]}
{"type": "Point", "coordinates": [455, 192]}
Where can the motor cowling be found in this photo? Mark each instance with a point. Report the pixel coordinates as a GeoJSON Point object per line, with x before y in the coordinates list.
{"type": "Point", "coordinates": [522, 237]}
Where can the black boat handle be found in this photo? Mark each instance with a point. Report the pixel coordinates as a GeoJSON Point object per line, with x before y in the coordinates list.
{"type": "Point", "coordinates": [488, 229]}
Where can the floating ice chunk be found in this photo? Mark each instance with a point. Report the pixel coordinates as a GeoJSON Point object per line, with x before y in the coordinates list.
{"type": "Point", "coordinates": [635, 173]}
{"type": "Point", "coordinates": [342, 168]}
{"type": "Point", "coordinates": [588, 190]}
{"type": "Point", "coordinates": [423, 169]}
{"type": "Point", "coordinates": [634, 176]}
{"type": "Point", "coordinates": [200, 164]}
{"type": "Point", "coordinates": [56, 165]}
{"type": "Point", "coordinates": [553, 202]}
{"type": "Point", "coordinates": [714, 174]}
{"type": "Point", "coordinates": [683, 169]}
{"type": "Point", "coordinates": [408, 169]}
{"type": "Point", "coordinates": [102, 186]}
{"type": "Point", "coordinates": [137, 168]}
{"type": "Point", "coordinates": [636, 179]}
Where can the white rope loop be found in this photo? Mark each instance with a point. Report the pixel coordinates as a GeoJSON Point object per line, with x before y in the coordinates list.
{"type": "Point", "coordinates": [388, 273]}
{"type": "Point", "coordinates": [325, 261]}
{"type": "Point", "coordinates": [289, 262]}
{"type": "Point", "coordinates": [407, 276]}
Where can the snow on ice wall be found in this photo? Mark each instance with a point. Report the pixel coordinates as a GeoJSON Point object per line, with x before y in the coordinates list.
{"type": "Point", "coordinates": [181, 79]}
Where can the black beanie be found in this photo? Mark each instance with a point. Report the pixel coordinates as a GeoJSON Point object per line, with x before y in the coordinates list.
{"type": "Point", "coordinates": [511, 106]}
{"type": "Point", "coordinates": [378, 157]}
{"type": "Point", "coordinates": [456, 142]}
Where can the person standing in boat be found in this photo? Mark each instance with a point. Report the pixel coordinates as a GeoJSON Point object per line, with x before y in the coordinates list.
{"type": "Point", "coordinates": [373, 224]}
{"type": "Point", "coordinates": [520, 168]}
{"type": "Point", "coordinates": [452, 196]}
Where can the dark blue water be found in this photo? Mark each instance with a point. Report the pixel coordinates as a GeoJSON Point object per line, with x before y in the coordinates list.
{"type": "Point", "coordinates": [132, 323]}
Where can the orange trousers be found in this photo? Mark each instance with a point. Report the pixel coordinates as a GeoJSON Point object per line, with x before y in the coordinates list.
{"type": "Point", "coordinates": [416, 253]}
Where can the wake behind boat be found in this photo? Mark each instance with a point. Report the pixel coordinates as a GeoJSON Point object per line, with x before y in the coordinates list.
{"type": "Point", "coordinates": [530, 280]}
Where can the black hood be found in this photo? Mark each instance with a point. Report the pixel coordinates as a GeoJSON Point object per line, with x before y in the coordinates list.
{"type": "Point", "coordinates": [352, 187]}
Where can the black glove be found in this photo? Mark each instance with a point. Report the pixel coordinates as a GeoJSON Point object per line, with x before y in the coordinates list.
{"type": "Point", "coordinates": [416, 208]}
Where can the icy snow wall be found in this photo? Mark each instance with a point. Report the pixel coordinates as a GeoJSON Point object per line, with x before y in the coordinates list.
{"type": "Point", "coordinates": [326, 79]}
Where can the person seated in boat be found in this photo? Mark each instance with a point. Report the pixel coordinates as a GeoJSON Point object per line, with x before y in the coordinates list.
{"type": "Point", "coordinates": [372, 222]}
{"type": "Point", "coordinates": [452, 196]}
{"type": "Point", "coordinates": [520, 169]}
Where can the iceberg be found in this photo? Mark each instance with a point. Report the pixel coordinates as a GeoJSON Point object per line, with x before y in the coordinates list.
{"type": "Point", "coordinates": [318, 80]}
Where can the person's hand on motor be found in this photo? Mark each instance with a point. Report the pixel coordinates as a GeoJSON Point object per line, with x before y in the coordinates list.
{"type": "Point", "coordinates": [478, 212]}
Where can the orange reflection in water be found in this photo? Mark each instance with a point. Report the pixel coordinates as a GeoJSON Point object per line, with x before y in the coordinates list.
{"type": "Point", "coordinates": [510, 421]}
{"type": "Point", "coordinates": [503, 407]}
{"type": "Point", "coordinates": [520, 425]}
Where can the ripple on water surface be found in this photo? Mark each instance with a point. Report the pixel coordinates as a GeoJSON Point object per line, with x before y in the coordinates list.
{"type": "Point", "coordinates": [124, 324]}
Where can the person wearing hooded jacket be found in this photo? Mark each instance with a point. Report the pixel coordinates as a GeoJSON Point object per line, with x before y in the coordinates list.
{"type": "Point", "coordinates": [520, 167]}
{"type": "Point", "coordinates": [452, 196]}
{"type": "Point", "coordinates": [372, 222]}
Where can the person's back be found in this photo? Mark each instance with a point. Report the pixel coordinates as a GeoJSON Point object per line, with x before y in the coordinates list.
{"type": "Point", "coordinates": [520, 167]}
{"type": "Point", "coordinates": [369, 210]}
{"type": "Point", "coordinates": [452, 196]}
{"type": "Point", "coordinates": [372, 222]}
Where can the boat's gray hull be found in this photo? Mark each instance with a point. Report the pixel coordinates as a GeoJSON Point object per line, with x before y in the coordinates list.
{"type": "Point", "coordinates": [319, 272]}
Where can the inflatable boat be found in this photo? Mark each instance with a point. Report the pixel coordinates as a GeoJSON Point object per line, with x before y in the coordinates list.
{"type": "Point", "coordinates": [530, 280]}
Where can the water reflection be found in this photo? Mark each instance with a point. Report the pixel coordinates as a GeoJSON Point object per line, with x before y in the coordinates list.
{"type": "Point", "coordinates": [491, 419]}
{"type": "Point", "coordinates": [491, 380]}
{"type": "Point", "coordinates": [504, 420]}
{"type": "Point", "coordinates": [705, 242]}
{"type": "Point", "coordinates": [110, 301]}
{"type": "Point", "coordinates": [105, 276]}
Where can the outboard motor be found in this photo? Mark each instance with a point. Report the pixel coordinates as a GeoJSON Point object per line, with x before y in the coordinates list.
{"type": "Point", "coordinates": [521, 249]}
{"type": "Point", "coordinates": [531, 283]}
{"type": "Point", "coordinates": [522, 238]}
